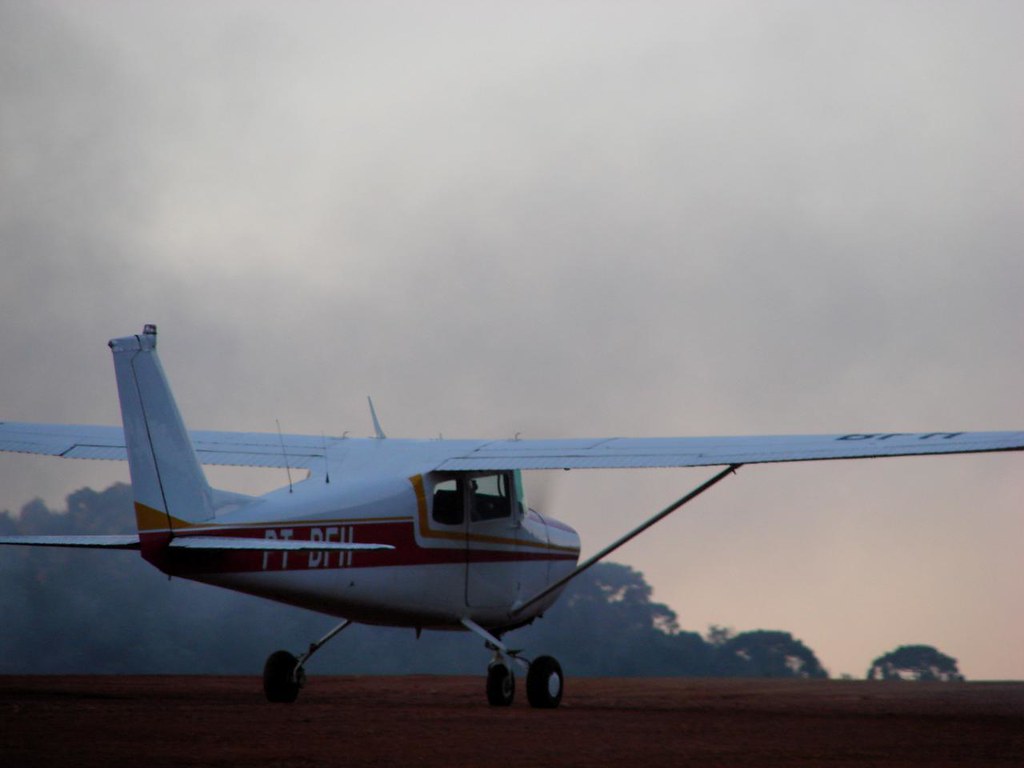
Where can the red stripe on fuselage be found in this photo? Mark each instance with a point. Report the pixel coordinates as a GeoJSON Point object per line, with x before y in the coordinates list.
{"type": "Point", "coordinates": [401, 535]}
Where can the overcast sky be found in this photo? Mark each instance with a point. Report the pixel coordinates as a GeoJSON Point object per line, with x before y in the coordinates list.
{"type": "Point", "coordinates": [559, 219]}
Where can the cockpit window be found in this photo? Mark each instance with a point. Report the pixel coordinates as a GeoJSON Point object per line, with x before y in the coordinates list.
{"type": "Point", "coordinates": [447, 503]}
{"type": "Point", "coordinates": [490, 497]}
{"type": "Point", "coordinates": [487, 497]}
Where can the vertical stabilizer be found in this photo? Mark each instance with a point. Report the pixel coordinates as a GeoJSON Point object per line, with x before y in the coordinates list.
{"type": "Point", "coordinates": [168, 482]}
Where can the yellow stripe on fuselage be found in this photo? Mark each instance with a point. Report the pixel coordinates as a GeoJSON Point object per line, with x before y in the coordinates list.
{"type": "Point", "coordinates": [430, 533]}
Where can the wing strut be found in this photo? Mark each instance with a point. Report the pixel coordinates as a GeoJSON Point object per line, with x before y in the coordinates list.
{"type": "Point", "coordinates": [629, 536]}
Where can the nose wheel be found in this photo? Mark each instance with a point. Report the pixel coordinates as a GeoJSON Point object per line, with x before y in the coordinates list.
{"type": "Point", "coordinates": [544, 683]}
{"type": "Point", "coordinates": [501, 685]}
{"type": "Point", "coordinates": [544, 679]}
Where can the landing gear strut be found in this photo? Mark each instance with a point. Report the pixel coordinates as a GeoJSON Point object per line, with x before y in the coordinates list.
{"type": "Point", "coordinates": [284, 674]}
{"type": "Point", "coordinates": [544, 679]}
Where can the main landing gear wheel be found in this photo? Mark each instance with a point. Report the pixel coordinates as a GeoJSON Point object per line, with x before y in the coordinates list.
{"type": "Point", "coordinates": [281, 679]}
{"type": "Point", "coordinates": [284, 674]}
{"type": "Point", "coordinates": [544, 683]}
{"type": "Point", "coordinates": [501, 685]}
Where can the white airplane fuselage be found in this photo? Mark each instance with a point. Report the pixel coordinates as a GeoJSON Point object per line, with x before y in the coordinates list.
{"type": "Point", "coordinates": [445, 567]}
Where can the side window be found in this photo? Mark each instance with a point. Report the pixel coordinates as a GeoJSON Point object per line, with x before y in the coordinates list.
{"type": "Point", "coordinates": [490, 498]}
{"type": "Point", "coordinates": [448, 503]}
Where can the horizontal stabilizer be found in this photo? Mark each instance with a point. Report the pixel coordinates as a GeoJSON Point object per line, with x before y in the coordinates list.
{"type": "Point", "coordinates": [131, 541]}
{"type": "Point", "coordinates": [126, 541]}
{"type": "Point", "coordinates": [270, 545]}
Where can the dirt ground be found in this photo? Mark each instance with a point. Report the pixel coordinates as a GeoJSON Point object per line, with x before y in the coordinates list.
{"type": "Point", "coordinates": [444, 721]}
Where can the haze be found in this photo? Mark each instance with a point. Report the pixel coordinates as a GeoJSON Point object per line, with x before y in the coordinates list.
{"type": "Point", "coordinates": [559, 219]}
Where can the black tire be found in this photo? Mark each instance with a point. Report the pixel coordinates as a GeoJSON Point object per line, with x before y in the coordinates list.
{"type": "Point", "coordinates": [501, 685]}
{"type": "Point", "coordinates": [279, 682]}
{"type": "Point", "coordinates": [544, 683]}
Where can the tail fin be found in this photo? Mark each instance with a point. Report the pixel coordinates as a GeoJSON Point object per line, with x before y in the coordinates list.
{"type": "Point", "coordinates": [168, 482]}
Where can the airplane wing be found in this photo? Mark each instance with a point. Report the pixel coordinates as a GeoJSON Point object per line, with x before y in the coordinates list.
{"type": "Point", "coordinates": [245, 449]}
{"type": "Point", "coordinates": [264, 449]}
{"type": "Point", "coordinates": [629, 453]}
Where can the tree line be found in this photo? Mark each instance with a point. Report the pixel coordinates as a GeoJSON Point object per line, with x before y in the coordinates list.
{"type": "Point", "coordinates": [80, 611]}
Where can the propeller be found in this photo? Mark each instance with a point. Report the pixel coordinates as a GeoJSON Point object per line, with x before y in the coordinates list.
{"type": "Point", "coordinates": [543, 489]}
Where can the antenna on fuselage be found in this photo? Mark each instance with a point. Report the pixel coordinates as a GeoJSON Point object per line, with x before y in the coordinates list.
{"type": "Point", "coordinates": [284, 453]}
{"type": "Point", "coordinates": [327, 466]}
{"type": "Point", "coordinates": [376, 424]}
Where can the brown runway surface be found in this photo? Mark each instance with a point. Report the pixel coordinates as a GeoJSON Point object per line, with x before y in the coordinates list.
{"type": "Point", "coordinates": [444, 721]}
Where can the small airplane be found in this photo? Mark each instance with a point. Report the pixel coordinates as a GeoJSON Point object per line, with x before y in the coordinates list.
{"type": "Point", "coordinates": [424, 534]}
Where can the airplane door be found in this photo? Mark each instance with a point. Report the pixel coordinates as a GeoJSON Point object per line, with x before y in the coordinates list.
{"type": "Point", "coordinates": [493, 522]}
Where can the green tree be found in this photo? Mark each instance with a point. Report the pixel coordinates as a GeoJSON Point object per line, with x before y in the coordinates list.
{"type": "Point", "coordinates": [718, 636]}
{"type": "Point", "coordinates": [130, 618]}
{"type": "Point", "coordinates": [915, 662]}
{"type": "Point", "coordinates": [607, 624]}
{"type": "Point", "coordinates": [764, 653]}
